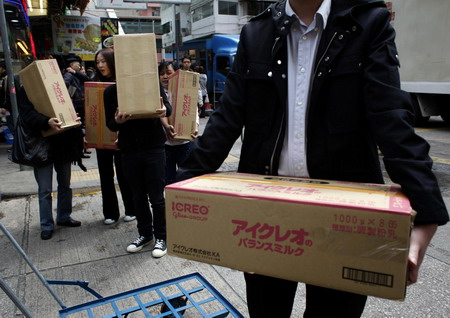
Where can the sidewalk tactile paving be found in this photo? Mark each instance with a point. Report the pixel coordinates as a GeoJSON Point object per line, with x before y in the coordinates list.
{"type": "Point", "coordinates": [91, 174]}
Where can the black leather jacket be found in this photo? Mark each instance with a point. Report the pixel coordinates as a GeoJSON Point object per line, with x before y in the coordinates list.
{"type": "Point", "coordinates": [356, 106]}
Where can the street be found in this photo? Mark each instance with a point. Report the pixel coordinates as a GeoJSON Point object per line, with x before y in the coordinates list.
{"type": "Point", "coordinates": [96, 252]}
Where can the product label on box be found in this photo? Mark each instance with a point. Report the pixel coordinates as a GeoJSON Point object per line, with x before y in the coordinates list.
{"type": "Point", "coordinates": [189, 207]}
{"type": "Point", "coordinates": [270, 238]}
{"type": "Point", "coordinates": [196, 252]}
{"type": "Point", "coordinates": [376, 225]}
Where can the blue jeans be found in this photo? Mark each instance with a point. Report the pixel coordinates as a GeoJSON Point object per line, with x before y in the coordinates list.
{"type": "Point", "coordinates": [145, 173]}
{"type": "Point", "coordinates": [44, 178]}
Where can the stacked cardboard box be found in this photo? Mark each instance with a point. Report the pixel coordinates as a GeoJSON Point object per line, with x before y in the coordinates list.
{"type": "Point", "coordinates": [183, 96]}
{"type": "Point", "coordinates": [347, 236]}
{"type": "Point", "coordinates": [137, 74]}
{"type": "Point", "coordinates": [97, 134]}
{"type": "Point", "coordinates": [46, 90]}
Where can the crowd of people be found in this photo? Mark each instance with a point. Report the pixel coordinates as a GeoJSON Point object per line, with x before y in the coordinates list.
{"type": "Point", "coordinates": [146, 160]}
{"type": "Point", "coordinates": [323, 82]}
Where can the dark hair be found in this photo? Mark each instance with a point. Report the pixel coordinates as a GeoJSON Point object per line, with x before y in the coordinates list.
{"type": "Point", "coordinates": [3, 64]}
{"type": "Point", "coordinates": [162, 67]}
{"type": "Point", "coordinates": [186, 57]}
{"type": "Point", "coordinates": [108, 55]}
{"type": "Point", "coordinates": [200, 69]}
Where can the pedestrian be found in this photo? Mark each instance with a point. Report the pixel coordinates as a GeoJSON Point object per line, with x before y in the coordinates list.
{"type": "Point", "coordinates": [176, 150]}
{"type": "Point", "coordinates": [91, 73]}
{"type": "Point", "coordinates": [203, 89]}
{"type": "Point", "coordinates": [107, 159]}
{"type": "Point", "coordinates": [64, 149]}
{"type": "Point", "coordinates": [186, 63]}
{"type": "Point", "coordinates": [74, 79]}
{"type": "Point", "coordinates": [319, 96]}
{"type": "Point", "coordinates": [5, 102]}
{"type": "Point", "coordinates": [143, 155]}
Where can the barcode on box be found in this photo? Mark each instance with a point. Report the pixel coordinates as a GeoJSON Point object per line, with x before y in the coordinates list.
{"type": "Point", "coordinates": [368, 277]}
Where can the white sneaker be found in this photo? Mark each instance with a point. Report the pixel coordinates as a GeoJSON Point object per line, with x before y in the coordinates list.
{"type": "Point", "coordinates": [109, 221]}
{"type": "Point", "coordinates": [129, 218]}
{"type": "Point", "coordinates": [139, 243]}
{"type": "Point", "coordinates": [160, 248]}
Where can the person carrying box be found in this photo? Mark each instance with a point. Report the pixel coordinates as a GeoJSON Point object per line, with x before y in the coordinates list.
{"type": "Point", "coordinates": [318, 95]}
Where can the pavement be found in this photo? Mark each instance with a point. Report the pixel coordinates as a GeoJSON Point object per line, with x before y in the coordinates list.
{"type": "Point", "coordinates": [96, 253]}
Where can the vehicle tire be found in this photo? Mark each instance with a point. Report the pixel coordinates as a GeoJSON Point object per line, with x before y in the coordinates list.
{"type": "Point", "coordinates": [444, 108]}
{"type": "Point", "coordinates": [419, 120]}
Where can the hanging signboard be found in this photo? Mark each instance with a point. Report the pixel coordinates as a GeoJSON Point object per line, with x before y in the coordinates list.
{"type": "Point", "coordinates": [109, 27]}
{"type": "Point", "coordinates": [79, 35]}
{"type": "Point", "coordinates": [160, 1]}
{"type": "Point", "coordinates": [119, 4]}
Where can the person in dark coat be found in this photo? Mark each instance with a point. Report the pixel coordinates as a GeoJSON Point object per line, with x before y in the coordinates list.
{"type": "Point", "coordinates": [64, 150]}
{"type": "Point", "coordinates": [319, 96]}
{"type": "Point", "coordinates": [74, 79]}
{"type": "Point", "coordinates": [107, 159]}
{"type": "Point", "coordinates": [141, 142]}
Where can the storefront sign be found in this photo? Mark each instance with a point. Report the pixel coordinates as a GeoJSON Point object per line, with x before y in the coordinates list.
{"type": "Point", "coordinates": [119, 4]}
{"type": "Point", "coordinates": [79, 35]}
{"type": "Point", "coordinates": [109, 27]}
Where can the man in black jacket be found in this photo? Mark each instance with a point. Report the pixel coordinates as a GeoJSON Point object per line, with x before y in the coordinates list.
{"type": "Point", "coordinates": [319, 95]}
{"type": "Point", "coordinates": [74, 79]}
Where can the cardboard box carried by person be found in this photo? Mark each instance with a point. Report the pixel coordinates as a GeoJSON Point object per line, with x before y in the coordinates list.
{"type": "Point", "coordinates": [98, 134]}
{"type": "Point", "coordinates": [46, 90]}
{"type": "Point", "coordinates": [183, 96]}
{"type": "Point", "coordinates": [137, 74]}
{"type": "Point", "coordinates": [347, 236]}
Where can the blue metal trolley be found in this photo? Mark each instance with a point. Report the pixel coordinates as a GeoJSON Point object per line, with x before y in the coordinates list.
{"type": "Point", "coordinates": [185, 296]}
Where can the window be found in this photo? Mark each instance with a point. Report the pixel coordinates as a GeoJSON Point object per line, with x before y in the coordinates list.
{"type": "Point", "coordinates": [223, 65]}
{"type": "Point", "coordinates": [227, 8]}
{"type": "Point", "coordinates": [166, 27]}
{"type": "Point", "coordinates": [202, 12]}
{"type": "Point", "coordinates": [141, 26]}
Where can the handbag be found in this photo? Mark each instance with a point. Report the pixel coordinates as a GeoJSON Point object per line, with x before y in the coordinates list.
{"type": "Point", "coordinates": [29, 149]}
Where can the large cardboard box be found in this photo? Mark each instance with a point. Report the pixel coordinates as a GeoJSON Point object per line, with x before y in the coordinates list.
{"type": "Point", "coordinates": [347, 236]}
{"type": "Point", "coordinates": [45, 88]}
{"type": "Point", "coordinates": [137, 74]}
{"type": "Point", "coordinates": [183, 96]}
{"type": "Point", "coordinates": [98, 134]}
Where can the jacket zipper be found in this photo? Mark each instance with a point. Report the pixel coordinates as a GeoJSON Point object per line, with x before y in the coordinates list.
{"type": "Point", "coordinates": [274, 44]}
{"type": "Point", "coordinates": [276, 143]}
{"type": "Point", "coordinates": [324, 53]}
{"type": "Point", "coordinates": [282, 118]}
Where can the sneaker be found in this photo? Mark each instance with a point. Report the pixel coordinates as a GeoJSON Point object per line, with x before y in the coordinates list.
{"type": "Point", "coordinates": [109, 221]}
{"type": "Point", "coordinates": [129, 218]}
{"type": "Point", "coordinates": [160, 248]}
{"type": "Point", "coordinates": [138, 244]}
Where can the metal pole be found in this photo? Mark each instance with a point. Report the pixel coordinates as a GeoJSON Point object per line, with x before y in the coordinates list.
{"type": "Point", "coordinates": [34, 268]}
{"type": "Point", "coordinates": [10, 293]}
{"type": "Point", "coordinates": [177, 50]}
{"type": "Point", "coordinates": [9, 69]}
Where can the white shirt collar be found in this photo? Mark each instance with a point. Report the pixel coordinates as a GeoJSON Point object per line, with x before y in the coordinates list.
{"type": "Point", "coordinates": [323, 12]}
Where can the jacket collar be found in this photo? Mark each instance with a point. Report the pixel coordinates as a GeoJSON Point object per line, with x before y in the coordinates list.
{"type": "Point", "coordinates": [341, 9]}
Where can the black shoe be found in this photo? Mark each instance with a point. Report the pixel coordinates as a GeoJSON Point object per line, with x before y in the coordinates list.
{"type": "Point", "coordinates": [46, 235]}
{"type": "Point", "coordinates": [70, 223]}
